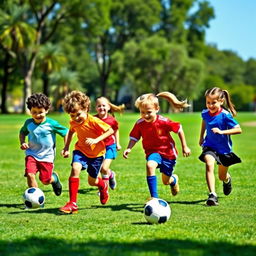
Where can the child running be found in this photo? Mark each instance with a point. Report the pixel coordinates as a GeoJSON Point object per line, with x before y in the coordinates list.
{"type": "Point", "coordinates": [103, 108]}
{"type": "Point", "coordinates": [157, 142]}
{"type": "Point", "coordinates": [219, 124]}
{"type": "Point", "coordinates": [89, 149]}
{"type": "Point", "coordinates": [40, 148]}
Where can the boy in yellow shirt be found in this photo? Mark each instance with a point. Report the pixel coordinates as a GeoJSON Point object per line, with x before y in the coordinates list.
{"type": "Point", "coordinates": [89, 149]}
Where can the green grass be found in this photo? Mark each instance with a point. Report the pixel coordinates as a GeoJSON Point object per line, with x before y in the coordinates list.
{"type": "Point", "coordinates": [119, 227]}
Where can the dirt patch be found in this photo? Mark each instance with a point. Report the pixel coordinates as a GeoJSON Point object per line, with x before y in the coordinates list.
{"type": "Point", "coordinates": [251, 124]}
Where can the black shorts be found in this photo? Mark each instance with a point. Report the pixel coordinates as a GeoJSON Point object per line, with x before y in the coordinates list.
{"type": "Point", "coordinates": [221, 159]}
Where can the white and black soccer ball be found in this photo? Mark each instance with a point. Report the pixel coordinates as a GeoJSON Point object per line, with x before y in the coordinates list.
{"type": "Point", "coordinates": [157, 211]}
{"type": "Point", "coordinates": [33, 198]}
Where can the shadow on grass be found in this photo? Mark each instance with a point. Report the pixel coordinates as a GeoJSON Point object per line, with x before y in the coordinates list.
{"type": "Point", "coordinates": [80, 191]}
{"type": "Point", "coordinates": [20, 206]}
{"type": "Point", "coordinates": [120, 207]}
{"type": "Point", "coordinates": [188, 202]}
{"type": "Point", "coordinates": [38, 246]}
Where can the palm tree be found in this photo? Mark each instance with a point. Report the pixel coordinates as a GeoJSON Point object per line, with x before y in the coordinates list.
{"type": "Point", "coordinates": [51, 60]}
{"type": "Point", "coordinates": [63, 82]}
{"type": "Point", "coordinates": [15, 35]}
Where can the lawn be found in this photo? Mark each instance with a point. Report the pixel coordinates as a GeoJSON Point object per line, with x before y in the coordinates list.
{"type": "Point", "coordinates": [119, 228]}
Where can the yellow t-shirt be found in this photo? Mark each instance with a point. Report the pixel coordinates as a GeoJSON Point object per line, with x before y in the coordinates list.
{"type": "Point", "coordinates": [92, 127]}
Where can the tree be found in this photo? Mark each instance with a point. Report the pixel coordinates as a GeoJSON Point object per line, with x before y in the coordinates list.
{"type": "Point", "coordinates": [15, 35]}
{"type": "Point", "coordinates": [250, 72]}
{"type": "Point", "coordinates": [129, 19]}
{"type": "Point", "coordinates": [63, 82]}
{"type": "Point", "coordinates": [51, 59]}
{"type": "Point", "coordinates": [197, 23]}
{"type": "Point", "coordinates": [156, 65]}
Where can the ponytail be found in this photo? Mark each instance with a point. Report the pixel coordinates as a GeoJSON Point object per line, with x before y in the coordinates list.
{"type": "Point", "coordinates": [231, 106]}
{"type": "Point", "coordinates": [173, 101]}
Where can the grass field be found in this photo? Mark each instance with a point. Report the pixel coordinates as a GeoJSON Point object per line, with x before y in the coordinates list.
{"type": "Point", "coordinates": [119, 228]}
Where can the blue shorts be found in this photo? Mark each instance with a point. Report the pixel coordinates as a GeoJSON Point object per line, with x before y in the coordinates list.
{"type": "Point", "coordinates": [92, 165]}
{"type": "Point", "coordinates": [166, 165]}
{"type": "Point", "coordinates": [111, 152]}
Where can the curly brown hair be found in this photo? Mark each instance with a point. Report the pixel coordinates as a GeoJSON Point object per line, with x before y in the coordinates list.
{"type": "Point", "coordinates": [38, 100]}
{"type": "Point", "coordinates": [76, 100]}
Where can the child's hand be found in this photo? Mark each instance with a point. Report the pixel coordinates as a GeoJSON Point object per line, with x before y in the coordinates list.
{"type": "Point", "coordinates": [126, 152]}
{"type": "Point", "coordinates": [24, 146]}
{"type": "Point", "coordinates": [186, 151]}
{"type": "Point", "coordinates": [91, 141]}
{"type": "Point", "coordinates": [65, 153]}
{"type": "Point", "coordinates": [118, 147]}
{"type": "Point", "coordinates": [216, 130]}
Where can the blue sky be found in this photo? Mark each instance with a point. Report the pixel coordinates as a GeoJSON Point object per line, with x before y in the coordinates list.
{"type": "Point", "coordinates": [234, 27]}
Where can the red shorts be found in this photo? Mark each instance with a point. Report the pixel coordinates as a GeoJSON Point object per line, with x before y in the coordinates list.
{"type": "Point", "coordinates": [44, 168]}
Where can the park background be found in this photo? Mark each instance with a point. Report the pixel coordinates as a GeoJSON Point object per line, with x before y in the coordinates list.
{"type": "Point", "coordinates": [122, 49]}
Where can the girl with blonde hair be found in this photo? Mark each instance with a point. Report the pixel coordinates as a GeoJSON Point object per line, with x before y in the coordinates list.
{"type": "Point", "coordinates": [105, 111]}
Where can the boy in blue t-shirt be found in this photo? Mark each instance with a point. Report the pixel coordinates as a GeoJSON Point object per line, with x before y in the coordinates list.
{"type": "Point", "coordinates": [40, 149]}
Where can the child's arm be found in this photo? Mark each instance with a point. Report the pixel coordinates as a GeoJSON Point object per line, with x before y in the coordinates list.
{"type": "Point", "coordinates": [235, 130]}
{"type": "Point", "coordinates": [91, 141]}
{"type": "Point", "coordinates": [129, 148]}
{"type": "Point", "coordinates": [185, 149]}
{"type": "Point", "coordinates": [201, 139]}
{"type": "Point", "coordinates": [67, 140]}
{"type": "Point", "coordinates": [23, 144]}
{"type": "Point", "coordinates": [118, 146]}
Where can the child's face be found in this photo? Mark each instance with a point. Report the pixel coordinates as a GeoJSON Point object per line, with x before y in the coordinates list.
{"type": "Point", "coordinates": [149, 112]}
{"type": "Point", "coordinates": [213, 103]}
{"type": "Point", "coordinates": [38, 114]}
{"type": "Point", "coordinates": [79, 116]}
{"type": "Point", "coordinates": [102, 107]}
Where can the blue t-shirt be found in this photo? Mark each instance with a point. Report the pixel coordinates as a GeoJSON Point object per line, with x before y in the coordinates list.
{"type": "Point", "coordinates": [42, 138]}
{"type": "Point", "coordinates": [223, 120]}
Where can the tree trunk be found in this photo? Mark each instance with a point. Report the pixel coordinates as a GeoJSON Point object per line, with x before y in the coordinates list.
{"type": "Point", "coordinates": [4, 109]}
{"type": "Point", "coordinates": [45, 79]}
{"type": "Point", "coordinates": [27, 90]}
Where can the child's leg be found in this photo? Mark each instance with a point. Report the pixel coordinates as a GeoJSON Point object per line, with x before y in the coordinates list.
{"type": "Point", "coordinates": [223, 173]}
{"type": "Point", "coordinates": [74, 181]}
{"type": "Point", "coordinates": [210, 178]}
{"type": "Point", "coordinates": [151, 178]}
{"type": "Point", "coordinates": [226, 178]}
{"type": "Point", "coordinates": [105, 171]}
{"type": "Point", "coordinates": [103, 188]}
{"type": "Point", "coordinates": [173, 182]}
{"type": "Point", "coordinates": [107, 174]}
{"type": "Point", "coordinates": [31, 180]}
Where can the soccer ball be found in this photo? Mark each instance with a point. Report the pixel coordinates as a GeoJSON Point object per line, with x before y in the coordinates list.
{"type": "Point", "coordinates": [34, 198]}
{"type": "Point", "coordinates": [157, 211]}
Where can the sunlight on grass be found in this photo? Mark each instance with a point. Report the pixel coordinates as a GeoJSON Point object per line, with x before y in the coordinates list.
{"type": "Point", "coordinates": [119, 227]}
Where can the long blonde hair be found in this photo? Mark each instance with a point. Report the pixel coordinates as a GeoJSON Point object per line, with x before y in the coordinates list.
{"type": "Point", "coordinates": [222, 95]}
{"type": "Point", "coordinates": [113, 107]}
{"type": "Point", "coordinates": [150, 98]}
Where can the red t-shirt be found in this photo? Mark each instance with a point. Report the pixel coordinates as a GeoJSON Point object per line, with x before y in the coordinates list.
{"type": "Point", "coordinates": [156, 136]}
{"type": "Point", "coordinates": [110, 120]}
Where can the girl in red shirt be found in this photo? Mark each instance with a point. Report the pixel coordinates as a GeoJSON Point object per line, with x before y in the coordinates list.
{"type": "Point", "coordinates": [157, 142]}
{"type": "Point", "coordinates": [103, 108]}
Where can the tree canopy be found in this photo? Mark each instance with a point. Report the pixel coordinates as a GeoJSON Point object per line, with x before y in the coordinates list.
{"type": "Point", "coordinates": [101, 46]}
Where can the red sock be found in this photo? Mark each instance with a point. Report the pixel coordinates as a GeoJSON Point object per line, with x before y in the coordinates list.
{"type": "Point", "coordinates": [105, 178]}
{"type": "Point", "coordinates": [101, 183]}
{"type": "Point", "coordinates": [73, 189]}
